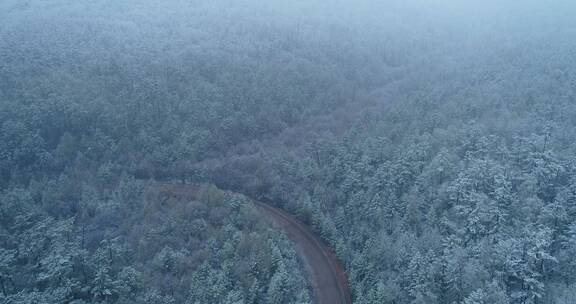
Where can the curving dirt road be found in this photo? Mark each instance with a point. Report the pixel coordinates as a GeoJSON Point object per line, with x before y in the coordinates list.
{"type": "Point", "coordinates": [325, 274]}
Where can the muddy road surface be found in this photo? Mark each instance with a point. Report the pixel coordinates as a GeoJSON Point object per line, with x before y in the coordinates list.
{"type": "Point", "coordinates": [326, 275]}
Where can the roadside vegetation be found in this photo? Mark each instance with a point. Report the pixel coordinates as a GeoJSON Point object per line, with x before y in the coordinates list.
{"type": "Point", "coordinates": [430, 143]}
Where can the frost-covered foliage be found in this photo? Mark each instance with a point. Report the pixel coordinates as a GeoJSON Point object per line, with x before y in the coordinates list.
{"type": "Point", "coordinates": [460, 190]}
{"type": "Point", "coordinates": [431, 142]}
{"type": "Point", "coordinates": [160, 248]}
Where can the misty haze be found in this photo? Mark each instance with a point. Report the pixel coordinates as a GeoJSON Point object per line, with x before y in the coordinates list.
{"type": "Point", "coordinates": [287, 151]}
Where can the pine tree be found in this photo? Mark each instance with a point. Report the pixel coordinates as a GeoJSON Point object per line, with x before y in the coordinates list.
{"type": "Point", "coordinates": [103, 286]}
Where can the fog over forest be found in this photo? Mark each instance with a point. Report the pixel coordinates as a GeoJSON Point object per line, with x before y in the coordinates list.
{"type": "Point", "coordinates": [429, 144]}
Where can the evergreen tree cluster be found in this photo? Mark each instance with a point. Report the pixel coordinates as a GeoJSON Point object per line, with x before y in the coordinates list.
{"type": "Point", "coordinates": [431, 143]}
{"type": "Point", "coordinates": [137, 242]}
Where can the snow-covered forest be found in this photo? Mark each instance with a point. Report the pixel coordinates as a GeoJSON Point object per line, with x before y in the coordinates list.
{"type": "Point", "coordinates": [431, 143]}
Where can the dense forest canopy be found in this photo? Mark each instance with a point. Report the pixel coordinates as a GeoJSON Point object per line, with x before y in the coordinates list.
{"type": "Point", "coordinates": [431, 143]}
